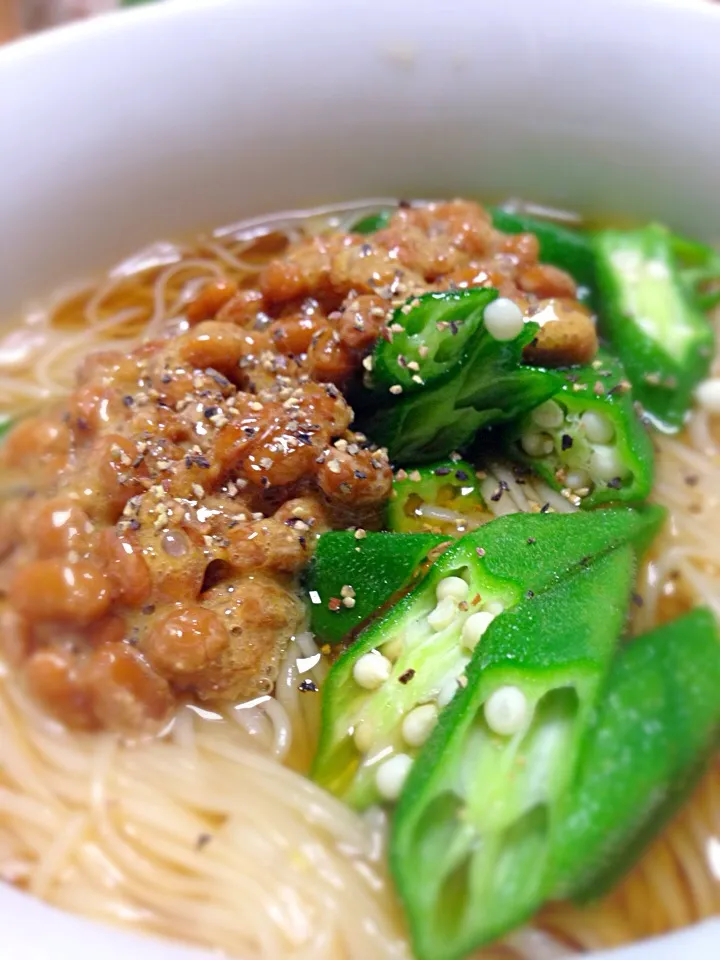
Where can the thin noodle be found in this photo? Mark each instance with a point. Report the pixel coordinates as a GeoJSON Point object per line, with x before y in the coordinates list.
{"type": "Point", "coordinates": [231, 259]}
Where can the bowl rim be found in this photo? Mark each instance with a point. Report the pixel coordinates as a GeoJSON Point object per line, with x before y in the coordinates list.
{"type": "Point", "coordinates": [85, 30]}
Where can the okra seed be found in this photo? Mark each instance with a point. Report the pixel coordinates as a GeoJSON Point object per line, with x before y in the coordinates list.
{"type": "Point", "coordinates": [474, 628]}
{"type": "Point", "coordinates": [454, 587]}
{"type": "Point", "coordinates": [536, 444]}
{"type": "Point", "coordinates": [598, 428]}
{"type": "Point", "coordinates": [443, 614]}
{"type": "Point", "coordinates": [418, 724]}
{"type": "Point", "coordinates": [577, 479]}
{"type": "Point", "coordinates": [363, 736]}
{"type": "Point", "coordinates": [495, 608]}
{"type": "Point", "coordinates": [503, 319]}
{"type": "Point", "coordinates": [506, 711]}
{"type": "Point", "coordinates": [548, 415]}
{"type": "Point", "coordinates": [371, 670]}
{"type": "Point", "coordinates": [393, 649]}
{"type": "Point", "coordinates": [447, 692]}
{"type": "Point", "coordinates": [708, 395]}
{"type": "Point", "coordinates": [392, 774]}
{"type": "Point", "coordinates": [606, 463]}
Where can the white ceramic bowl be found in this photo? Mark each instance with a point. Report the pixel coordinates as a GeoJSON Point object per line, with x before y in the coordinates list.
{"type": "Point", "coordinates": [148, 124]}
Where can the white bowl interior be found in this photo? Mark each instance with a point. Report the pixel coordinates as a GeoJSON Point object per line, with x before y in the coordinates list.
{"type": "Point", "coordinates": [147, 125]}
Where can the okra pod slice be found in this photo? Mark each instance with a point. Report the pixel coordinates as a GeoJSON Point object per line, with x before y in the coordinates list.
{"type": "Point", "coordinates": [352, 577]}
{"type": "Point", "coordinates": [587, 440]}
{"type": "Point", "coordinates": [472, 375]}
{"type": "Point", "coordinates": [414, 656]}
{"type": "Point", "coordinates": [650, 736]}
{"type": "Point", "coordinates": [426, 339]}
{"type": "Point", "coordinates": [443, 498]}
{"type": "Point", "coordinates": [470, 838]}
{"type": "Point", "coordinates": [651, 312]}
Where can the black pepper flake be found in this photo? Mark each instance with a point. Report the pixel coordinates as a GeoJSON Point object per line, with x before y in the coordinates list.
{"type": "Point", "coordinates": [148, 609]}
{"type": "Point", "coordinates": [209, 412]}
{"type": "Point", "coordinates": [620, 388]}
{"type": "Point", "coordinates": [544, 508]}
{"type": "Point", "coordinates": [584, 561]}
{"type": "Point", "coordinates": [307, 686]}
{"type": "Point", "coordinates": [404, 204]}
{"type": "Point", "coordinates": [531, 540]}
{"type": "Point", "coordinates": [407, 676]}
{"type": "Point", "coordinates": [203, 839]}
{"type": "Point", "coordinates": [461, 475]}
{"type": "Point", "coordinates": [219, 379]}
{"type": "Point", "coordinates": [637, 600]}
{"type": "Point", "coordinates": [166, 378]}
{"type": "Point", "coordinates": [530, 594]}
{"type": "Point", "coordinates": [480, 551]}
{"type": "Point", "coordinates": [197, 460]}
{"type": "Point", "coordinates": [692, 480]}
{"type": "Point", "coordinates": [615, 483]}
{"type": "Point", "coordinates": [304, 438]}
{"type": "Point", "coordinates": [82, 423]}
{"type": "Point", "coordinates": [442, 471]}
{"type": "Point", "coordinates": [359, 475]}
{"type": "Point", "coordinates": [134, 524]}
{"type": "Point", "coordinates": [128, 400]}
{"type": "Point", "coordinates": [454, 328]}
{"type": "Point", "coordinates": [566, 441]}
{"type": "Point", "coordinates": [502, 487]}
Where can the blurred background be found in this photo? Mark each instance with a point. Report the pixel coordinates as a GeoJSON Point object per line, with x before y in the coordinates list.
{"type": "Point", "coordinates": [27, 16]}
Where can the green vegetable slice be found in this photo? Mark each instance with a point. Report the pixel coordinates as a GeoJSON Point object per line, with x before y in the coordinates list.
{"type": "Point", "coordinates": [653, 315]}
{"type": "Point", "coordinates": [374, 568]}
{"type": "Point", "coordinates": [587, 440]}
{"type": "Point", "coordinates": [471, 835]}
{"type": "Point", "coordinates": [428, 337]}
{"type": "Point", "coordinates": [485, 382]}
{"type": "Point", "coordinates": [649, 739]}
{"type": "Point", "coordinates": [500, 564]}
{"type": "Point", "coordinates": [444, 498]}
